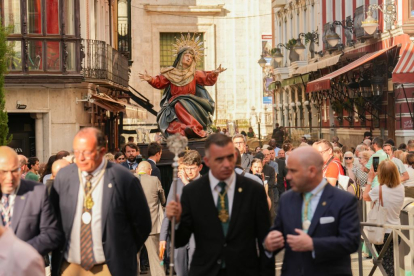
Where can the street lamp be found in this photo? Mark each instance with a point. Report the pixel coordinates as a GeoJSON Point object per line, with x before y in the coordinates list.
{"type": "Point", "coordinates": [333, 38]}
{"type": "Point", "coordinates": [390, 15]}
{"type": "Point", "coordinates": [262, 61]}
{"type": "Point", "coordinates": [277, 52]}
{"type": "Point", "coordinates": [299, 47]}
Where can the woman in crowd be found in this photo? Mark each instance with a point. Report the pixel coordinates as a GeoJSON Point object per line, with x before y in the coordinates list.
{"type": "Point", "coordinates": [349, 164]}
{"type": "Point", "coordinates": [250, 133]}
{"type": "Point", "coordinates": [110, 157]}
{"type": "Point", "coordinates": [398, 153]}
{"type": "Point", "coordinates": [287, 147]}
{"type": "Point", "coordinates": [409, 183]}
{"type": "Point", "coordinates": [393, 200]}
{"type": "Point", "coordinates": [119, 157]}
{"type": "Point", "coordinates": [257, 168]}
{"type": "Point", "coordinates": [257, 149]}
{"type": "Point", "coordinates": [47, 173]}
{"type": "Point", "coordinates": [402, 147]}
{"type": "Point", "coordinates": [337, 153]}
{"type": "Point", "coordinates": [361, 176]}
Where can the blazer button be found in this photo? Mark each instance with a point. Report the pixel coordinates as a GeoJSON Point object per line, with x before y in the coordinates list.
{"type": "Point", "coordinates": [219, 262]}
{"type": "Point", "coordinates": [225, 245]}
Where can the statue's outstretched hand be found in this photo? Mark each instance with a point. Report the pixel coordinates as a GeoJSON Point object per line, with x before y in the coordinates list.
{"type": "Point", "coordinates": [145, 76]}
{"type": "Point", "coordinates": [219, 70]}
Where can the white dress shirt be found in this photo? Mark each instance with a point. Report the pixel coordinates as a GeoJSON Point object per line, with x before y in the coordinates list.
{"type": "Point", "coordinates": [315, 199]}
{"type": "Point", "coordinates": [230, 186]}
{"type": "Point", "coordinates": [72, 254]}
{"type": "Point", "coordinates": [11, 199]}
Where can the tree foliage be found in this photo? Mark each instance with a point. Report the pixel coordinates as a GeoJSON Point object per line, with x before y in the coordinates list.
{"type": "Point", "coordinates": [6, 52]}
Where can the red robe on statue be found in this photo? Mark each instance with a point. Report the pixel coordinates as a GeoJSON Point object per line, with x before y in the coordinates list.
{"type": "Point", "coordinates": [184, 118]}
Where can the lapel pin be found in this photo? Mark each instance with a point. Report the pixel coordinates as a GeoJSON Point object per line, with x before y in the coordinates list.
{"type": "Point", "coordinates": [110, 185]}
{"type": "Point", "coordinates": [240, 190]}
{"type": "Point", "coordinates": [22, 197]}
{"type": "Point", "coordinates": [324, 203]}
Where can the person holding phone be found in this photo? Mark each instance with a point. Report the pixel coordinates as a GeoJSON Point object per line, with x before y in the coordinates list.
{"type": "Point", "coordinates": [379, 156]}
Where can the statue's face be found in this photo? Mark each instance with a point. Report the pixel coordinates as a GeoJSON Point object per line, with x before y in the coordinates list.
{"type": "Point", "coordinates": [187, 60]}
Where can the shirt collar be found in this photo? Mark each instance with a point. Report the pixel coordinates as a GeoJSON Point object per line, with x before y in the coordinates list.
{"type": "Point", "coordinates": [97, 170]}
{"type": "Point", "coordinates": [323, 182]}
{"type": "Point", "coordinates": [214, 181]}
{"type": "Point", "coordinates": [131, 162]}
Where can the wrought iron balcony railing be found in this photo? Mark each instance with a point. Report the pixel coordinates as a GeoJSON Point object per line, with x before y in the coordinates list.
{"type": "Point", "coordinates": [102, 62]}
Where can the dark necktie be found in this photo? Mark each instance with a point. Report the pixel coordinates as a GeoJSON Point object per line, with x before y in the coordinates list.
{"type": "Point", "coordinates": [6, 217]}
{"type": "Point", "coordinates": [224, 224]}
{"type": "Point", "coordinates": [86, 243]}
{"type": "Point", "coordinates": [130, 166]}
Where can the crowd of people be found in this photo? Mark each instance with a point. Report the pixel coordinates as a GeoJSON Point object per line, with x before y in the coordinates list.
{"type": "Point", "coordinates": [91, 212]}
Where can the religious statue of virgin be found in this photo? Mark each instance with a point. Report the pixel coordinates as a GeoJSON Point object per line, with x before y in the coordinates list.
{"type": "Point", "coordinates": [186, 106]}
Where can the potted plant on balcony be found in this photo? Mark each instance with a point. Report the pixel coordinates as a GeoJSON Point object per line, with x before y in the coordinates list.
{"type": "Point", "coordinates": [293, 56]}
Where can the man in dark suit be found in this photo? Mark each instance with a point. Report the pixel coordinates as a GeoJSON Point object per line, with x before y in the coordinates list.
{"type": "Point", "coordinates": [246, 159]}
{"type": "Point", "coordinates": [103, 212]}
{"type": "Point", "coordinates": [227, 213]}
{"type": "Point", "coordinates": [154, 156]}
{"type": "Point", "coordinates": [317, 224]}
{"type": "Point", "coordinates": [25, 206]}
{"type": "Point", "coordinates": [132, 156]}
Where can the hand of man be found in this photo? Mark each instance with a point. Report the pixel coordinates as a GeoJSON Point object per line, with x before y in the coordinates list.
{"type": "Point", "coordinates": [274, 241]}
{"type": "Point", "coordinates": [300, 243]}
{"type": "Point", "coordinates": [162, 245]}
{"type": "Point", "coordinates": [174, 210]}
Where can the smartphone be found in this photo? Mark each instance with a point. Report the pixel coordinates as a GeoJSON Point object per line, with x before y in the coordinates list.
{"type": "Point", "coordinates": [375, 163]}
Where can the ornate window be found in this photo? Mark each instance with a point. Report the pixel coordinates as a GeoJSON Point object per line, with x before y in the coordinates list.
{"type": "Point", "coordinates": [166, 54]}
{"type": "Point", "coordinates": [45, 35]}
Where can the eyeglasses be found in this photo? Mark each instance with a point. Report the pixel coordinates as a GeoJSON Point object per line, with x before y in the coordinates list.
{"type": "Point", "coordinates": [86, 154]}
{"type": "Point", "coordinates": [238, 143]}
{"type": "Point", "coordinates": [121, 158]}
{"type": "Point", "coordinates": [348, 158]}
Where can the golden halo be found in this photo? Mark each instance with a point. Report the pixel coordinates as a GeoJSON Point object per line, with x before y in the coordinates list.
{"type": "Point", "coordinates": [187, 41]}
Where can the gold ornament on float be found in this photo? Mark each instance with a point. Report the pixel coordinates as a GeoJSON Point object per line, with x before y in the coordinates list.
{"type": "Point", "coordinates": [187, 41]}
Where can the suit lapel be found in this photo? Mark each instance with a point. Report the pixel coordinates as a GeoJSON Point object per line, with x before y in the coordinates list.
{"type": "Point", "coordinates": [108, 190]}
{"type": "Point", "coordinates": [323, 205]}
{"type": "Point", "coordinates": [19, 203]}
{"type": "Point", "coordinates": [210, 207]}
{"type": "Point", "coordinates": [297, 210]}
{"type": "Point", "coordinates": [237, 202]}
{"type": "Point", "coordinates": [73, 193]}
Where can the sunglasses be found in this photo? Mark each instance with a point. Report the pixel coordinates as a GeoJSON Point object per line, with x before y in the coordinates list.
{"type": "Point", "coordinates": [348, 158]}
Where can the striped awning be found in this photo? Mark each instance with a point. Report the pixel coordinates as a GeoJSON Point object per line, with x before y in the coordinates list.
{"type": "Point", "coordinates": [315, 66]}
{"type": "Point", "coordinates": [324, 83]}
{"type": "Point", "coordinates": [404, 71]}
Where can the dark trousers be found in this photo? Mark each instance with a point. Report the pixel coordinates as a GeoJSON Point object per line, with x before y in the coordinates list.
{"type": "Point", "coordinates": [222, 272]}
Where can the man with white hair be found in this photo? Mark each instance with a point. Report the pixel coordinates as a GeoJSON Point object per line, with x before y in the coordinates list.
{"type": "Point", "coordinates": [155, 196]}
{"type": "Point", "coordinates": [358, 149]}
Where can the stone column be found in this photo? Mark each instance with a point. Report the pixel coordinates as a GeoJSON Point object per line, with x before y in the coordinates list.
{"type": "Point", "coordinates": [39, 135]}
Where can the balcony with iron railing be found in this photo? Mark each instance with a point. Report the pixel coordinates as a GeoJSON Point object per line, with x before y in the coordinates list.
{"type": "Point", "coordinates": [103, 64]}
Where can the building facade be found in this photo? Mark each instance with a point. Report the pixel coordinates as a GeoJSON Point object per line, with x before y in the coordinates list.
{"type": "Point", "coordinates": [342, 84]}
{"type": "Point", "coordinates": [65, 73]}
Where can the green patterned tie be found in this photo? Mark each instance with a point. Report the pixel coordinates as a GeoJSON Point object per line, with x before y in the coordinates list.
{"type": "Point", "coordinates": [307, 209]}
{"type": "Point", "coordinates": [225, 225]}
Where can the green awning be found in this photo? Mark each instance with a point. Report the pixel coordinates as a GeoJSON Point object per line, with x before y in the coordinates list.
{"type": "Point", "coordinates": [272, 85]}
{"type": "Point", "coordinates": [295, 80]}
